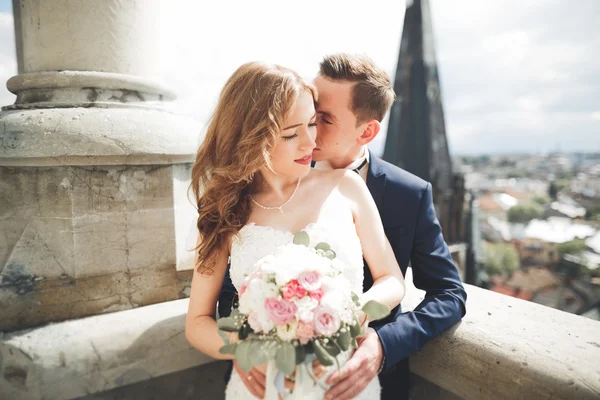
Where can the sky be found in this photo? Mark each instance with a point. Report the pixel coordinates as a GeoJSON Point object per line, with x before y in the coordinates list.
{"type": "Point", "coordinates": [516, 76]}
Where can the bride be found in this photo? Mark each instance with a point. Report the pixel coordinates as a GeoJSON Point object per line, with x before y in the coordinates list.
{"type": "Point", "coordinates": [254, 187]}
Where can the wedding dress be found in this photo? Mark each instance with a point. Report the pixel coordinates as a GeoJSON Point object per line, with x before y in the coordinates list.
{"type": "Point", "coordinates": [256, 241]}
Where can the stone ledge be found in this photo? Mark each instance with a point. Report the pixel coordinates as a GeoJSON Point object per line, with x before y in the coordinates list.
{"type": "Point", "coordinates": [506, 348]}
{"type": "Point", "coordinates": [90, 355]}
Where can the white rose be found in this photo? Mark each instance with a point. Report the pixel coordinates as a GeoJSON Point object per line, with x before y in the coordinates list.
{"type": "Point", "coordinates": [287, 332]}
{"type": "Point", "coordinates": [264, 320]}
{"type": "Point", "coordinates": [267, 264]}
{"type": "Point", "coordinates": [245, 303]}
{"type": "Point", "coordinates": [306, 302]}
{"type": "Point", "coordinates": [333, 300]}
{"type": "Point", "coordinates": [305, 315]}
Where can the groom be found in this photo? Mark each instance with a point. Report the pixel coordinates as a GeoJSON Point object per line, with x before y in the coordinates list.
{"type": "Point", "coordinates": [354, 96]}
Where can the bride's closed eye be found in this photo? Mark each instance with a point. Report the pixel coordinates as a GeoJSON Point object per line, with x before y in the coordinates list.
{"type": "Point", "coordinates": [295, 135]}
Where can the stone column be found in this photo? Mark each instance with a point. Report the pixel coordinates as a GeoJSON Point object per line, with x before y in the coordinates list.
{"type": "Point", "coordinates": [93, 167]}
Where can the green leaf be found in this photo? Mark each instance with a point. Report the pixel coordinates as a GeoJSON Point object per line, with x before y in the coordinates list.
{"type": "Point", "coordinates": [243, 356]}
{"type": "Point", "coordinates": [228, 324]}
{"type": "Point", "coordinates": [322, 355]}
{"type": "Point", "coordinates": [301, 238]}
{"type": "Point", "coordinates": [224, 336]}
{"type": "Point", "coordinates": [344, 339]}
{"type": "Point", "coordinates": [228, 349]}
{"type": "Point", "coordinates": [376, 310]}
{"type": "Point", "coordinates": [330, 254]}
{"type": "Point", "coordinates": [300, 354]}
{"type": "Point", "coordinates": [323, 246]}
{"type": "Point", "coordinates": [355, 329]}
{"type": "Point", "coordinates": [285, 359]}
{"type": "Point", "coordinates": [244, 331]}
{"type": "Point", "coordinates": [355, 299]}
{"type": "Point", "coordinates": [332, 348]}
{"type": "Point", "coordinates": [234, 313]}
{"type": "Point", "coordinates": [354, 343]}
{"type": "Point", "coordinates": [262, 351]}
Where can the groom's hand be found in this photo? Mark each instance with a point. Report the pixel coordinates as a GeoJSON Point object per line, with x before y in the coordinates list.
{"type": "Point", "coordinates": [362, 367]}
{"type": "Point", "coordinates": [253, 380]}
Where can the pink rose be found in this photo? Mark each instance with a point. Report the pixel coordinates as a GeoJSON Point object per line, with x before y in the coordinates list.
{"type": "Point", "coordinates": [326, 321]}
{"type": "Point", "coordinates": [310, 280]}
{"type": "Point", "coordinates": [293, 289]}
{"type": "Point", "coordinates": [304, 332]}
{"type": "Point", "coordinates": [280, 311]}
{"type": "Point", "coordinates": [243, 288]}
{"type": "Point", "coordinates": [253, 322]}
{"type": "Point", "coordinates": [317, 294]}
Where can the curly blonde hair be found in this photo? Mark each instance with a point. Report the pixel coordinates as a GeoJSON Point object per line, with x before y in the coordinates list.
{"type": "Point", "coordinates": [244, 128]}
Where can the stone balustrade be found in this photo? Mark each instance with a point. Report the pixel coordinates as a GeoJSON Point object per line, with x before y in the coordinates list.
{"type": "Point", "coordinates": [504, 348]}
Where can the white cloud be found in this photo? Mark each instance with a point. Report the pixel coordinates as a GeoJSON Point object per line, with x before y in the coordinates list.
{"type": "Point", "coordinates": [519, 75]}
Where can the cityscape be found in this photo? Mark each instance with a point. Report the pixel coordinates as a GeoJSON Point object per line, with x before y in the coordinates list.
{"type": "Point", "coordinates": [539, 219]}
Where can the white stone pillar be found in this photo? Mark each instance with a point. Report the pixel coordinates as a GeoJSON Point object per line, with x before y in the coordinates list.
{"type": "Point", "coordinates": [93, 167]}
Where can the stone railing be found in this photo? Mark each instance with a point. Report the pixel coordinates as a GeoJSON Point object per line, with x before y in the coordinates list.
{"type": "Point", "coordinates": [504, 348]}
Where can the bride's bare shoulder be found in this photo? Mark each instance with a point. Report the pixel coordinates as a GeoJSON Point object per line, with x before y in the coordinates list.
{"type": "Point", "coordinates": [323, 175]}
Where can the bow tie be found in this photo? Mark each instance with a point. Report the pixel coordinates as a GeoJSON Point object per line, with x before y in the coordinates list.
{"type": "Point", "coordinates": [357, 170]}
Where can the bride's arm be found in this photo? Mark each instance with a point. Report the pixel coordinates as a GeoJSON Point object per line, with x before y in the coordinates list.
{"type": "Point", "coordinates": [200, 325]}
{"type": "Point", "coordinates": [388, 283]}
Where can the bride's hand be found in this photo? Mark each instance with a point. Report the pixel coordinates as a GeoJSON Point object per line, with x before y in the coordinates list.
{"type": "Point", "coordinates": [261, 370]}
{"type": "Point", "coordinates": [318, 369]}
{"type": "Point", "coordinates": [254, 380]}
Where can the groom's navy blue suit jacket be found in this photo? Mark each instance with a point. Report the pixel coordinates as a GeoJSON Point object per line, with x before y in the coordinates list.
{"type": "Point", "coordinates": [405, 205]}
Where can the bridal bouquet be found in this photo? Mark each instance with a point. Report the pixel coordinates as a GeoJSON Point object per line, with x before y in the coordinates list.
{"type": "Point", "coordinates": [296, 305]}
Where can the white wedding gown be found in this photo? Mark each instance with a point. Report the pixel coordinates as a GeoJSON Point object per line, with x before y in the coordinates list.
{"type": "Point", "coordinates": [256, 241]}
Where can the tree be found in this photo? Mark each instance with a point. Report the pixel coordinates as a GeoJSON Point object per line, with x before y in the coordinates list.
{"type": "Point", "coordinates": [574, 247]}
{"type": "Point", "coordinates": [541, 199]}
{"type": "Point", "coordinates": [500, 258]}
{"type": "Point", "coordinates": [524, 212]}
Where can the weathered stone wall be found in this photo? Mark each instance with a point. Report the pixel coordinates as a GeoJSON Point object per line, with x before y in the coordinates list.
{"type": "Point", "coordinates": [93, 167]}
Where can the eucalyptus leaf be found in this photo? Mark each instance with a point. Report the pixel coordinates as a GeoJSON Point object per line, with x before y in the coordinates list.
{"type": "Point", "coordinates": [344, 339]}
{"type": "Point", "coordinates": [228, 324]}
{"type": "Point", "coordinates": [285, 359]}
{"type": "Point", "coordinates": [302, 238]}
{"type": "Point", "coordinates": [224, 336]}
{"type": "Point", "coordinates": [259, 351]}
{"type": "Point", "coordinates": [376, 310]}
{"type": "Point", "coordinates": [300, 354]}
{"type": "Point", "coordinates": [228, 349]}
{"type": "Point", "coordinates": [243, 356]}
{"type": "Point", "coordinates": [355, 298]}
{"type": "Point", "coordinates": [332, 348]}
{"type": "Point", "coordinates": [322, 355]}
{"type": "Point", "coordinates": [355, 329]}
{"type": "Point", "coordinates": [323, 246]}
{"type": "Point", "coordinates": [244, 331]}
{"type": "Point", "coordinates": [234, 313]}
{"type": "Point", "coordinates": [354, 343]}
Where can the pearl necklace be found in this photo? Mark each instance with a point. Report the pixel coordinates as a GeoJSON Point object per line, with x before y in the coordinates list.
{"type": "Point", "coordinates": [280, 208]}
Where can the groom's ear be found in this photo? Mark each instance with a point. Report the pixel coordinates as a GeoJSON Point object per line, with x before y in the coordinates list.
{"type": "Point", "coordinates": [370, 131]}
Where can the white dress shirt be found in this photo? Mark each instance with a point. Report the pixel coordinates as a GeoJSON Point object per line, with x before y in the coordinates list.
{"type": "Point", "coordinates": [355, 164]}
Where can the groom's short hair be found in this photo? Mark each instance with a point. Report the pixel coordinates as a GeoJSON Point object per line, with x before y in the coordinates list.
{"type": "Point", "coordinates": [372, 94]}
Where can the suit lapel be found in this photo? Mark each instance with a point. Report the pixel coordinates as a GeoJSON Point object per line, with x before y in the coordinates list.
{"type": "Point", "coordinates": [376, 181]}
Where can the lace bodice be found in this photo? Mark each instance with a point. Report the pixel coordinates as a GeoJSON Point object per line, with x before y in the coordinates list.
{"type": "Point", "coordinates": [256, 241]}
